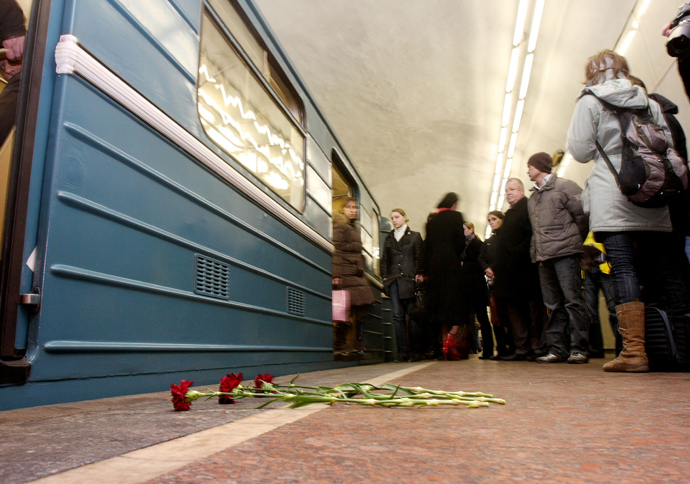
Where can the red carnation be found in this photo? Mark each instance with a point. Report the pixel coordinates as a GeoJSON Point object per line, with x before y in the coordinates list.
{"type": "Point", "coordinates": [258, 381]}
{"type": "Point", "coordinates": [227, 384]}
{"type": "Point", "coordinates": [178, 393]}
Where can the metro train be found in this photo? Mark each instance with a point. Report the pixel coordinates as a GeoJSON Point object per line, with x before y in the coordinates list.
{"type": "Point", "coordinates": [168, 198]}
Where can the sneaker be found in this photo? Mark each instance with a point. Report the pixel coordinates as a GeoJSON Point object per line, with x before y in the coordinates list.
{"type": "Point", "coordinates": [550, 358]}
{"type": "Point", "coordinates": [578, 358]}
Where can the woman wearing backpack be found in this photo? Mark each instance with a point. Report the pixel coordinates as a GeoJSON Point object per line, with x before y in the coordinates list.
{"type": "Point", "coordinates": [628, 231]}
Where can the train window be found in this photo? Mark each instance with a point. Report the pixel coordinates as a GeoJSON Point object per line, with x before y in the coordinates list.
{"type": "Point", "coordinates": [236, 22]}
{"type": "Point", "coordinates": [241, 118]}
{"type": "Point", "coordinates": [376, 235]}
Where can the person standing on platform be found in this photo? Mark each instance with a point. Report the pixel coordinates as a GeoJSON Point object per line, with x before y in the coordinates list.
{"type": "Point", "coordinates": [516, 281]}
{"type": "Point", "coordinates": [632, 235]}
{"type": "Point", "coordinates": [474, 292]}
{"type": "Point", "coordinates": [348, 274]}
{"type": "Point", "coordinates": [400, 259]}
{"type": "Point", "coordinates": [559, 227]}
{"type": "Point", "coordinates": [505, 345]}
{"type": "Point", "coordinates": [597, 276]}
{"type": "Point", "coordinates": [443, 246]}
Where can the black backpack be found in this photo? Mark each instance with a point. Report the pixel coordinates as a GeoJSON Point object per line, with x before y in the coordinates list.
{"type": "Point", "coordinates": [652, 172]}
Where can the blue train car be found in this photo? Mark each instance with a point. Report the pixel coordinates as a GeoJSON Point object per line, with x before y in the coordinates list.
{"type": "Point", "coordinates": [168, 205]}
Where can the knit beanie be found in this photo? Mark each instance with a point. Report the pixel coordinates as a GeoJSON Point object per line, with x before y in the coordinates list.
{"type": "Point", "coordinates": [541, 161]}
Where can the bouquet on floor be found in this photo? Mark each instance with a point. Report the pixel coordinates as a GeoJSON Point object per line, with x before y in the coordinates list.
{"type": "Point", "coordinates": [231, 389]}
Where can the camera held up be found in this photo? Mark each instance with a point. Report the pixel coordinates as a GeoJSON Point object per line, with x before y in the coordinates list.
{"type": "Point", "coordinates": [678, 44]}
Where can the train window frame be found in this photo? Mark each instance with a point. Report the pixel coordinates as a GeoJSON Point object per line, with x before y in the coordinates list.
{"type": "Point", "coordinates": [278, 160]}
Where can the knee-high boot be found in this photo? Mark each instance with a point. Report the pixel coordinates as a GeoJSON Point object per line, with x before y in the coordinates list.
{"type": "Point", "coordinates": [631, 327]}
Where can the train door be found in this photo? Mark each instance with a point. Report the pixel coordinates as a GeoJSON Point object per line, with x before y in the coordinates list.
{"type": "Point", "coordinates": [18, 213]}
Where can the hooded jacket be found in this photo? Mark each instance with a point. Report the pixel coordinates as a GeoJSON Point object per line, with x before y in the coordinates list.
{"type": "Point", "coordinates": [558, 223]}
{"type": "Point", "coordinates": [348, 261]}
{"type": "Point", "coordinates": [609, 210]}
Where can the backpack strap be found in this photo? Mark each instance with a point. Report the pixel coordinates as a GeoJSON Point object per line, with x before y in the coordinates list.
{"type": "Point", "coordinates": [609, 164]}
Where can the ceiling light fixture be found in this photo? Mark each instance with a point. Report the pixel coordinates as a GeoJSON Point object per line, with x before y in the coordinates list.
{"type": "Point", "coordinates": [536, 22]}
{"type": "Point", "coordinates": [512, 71]}
{"type": "Point", "coordinates": [527, 70]}
{"type": "Point", "coordinates": [518, 115]}
{"type": "Point", "coordinates": [506, 110]}
{"type": "Point", "coordinates": [520, 23]}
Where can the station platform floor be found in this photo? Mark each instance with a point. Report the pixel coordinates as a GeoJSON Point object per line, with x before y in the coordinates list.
{"type": "Point", "coordinates": [561, 423]}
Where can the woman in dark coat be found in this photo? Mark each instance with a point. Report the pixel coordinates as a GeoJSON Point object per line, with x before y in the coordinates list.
{"type": "Point", "coordinates": [487, 256]}
{"type": "Point", "coordinates": [399, 270]}
{"type": "Point", "coordinates": [443, 246]}
{"type": "Point", "coordinates": [475, 293]}
{"type": "Point", "coordinates": [348, 272]}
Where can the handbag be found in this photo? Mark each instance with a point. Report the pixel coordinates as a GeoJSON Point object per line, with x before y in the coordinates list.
{"type": "Point", "coordinates": [419, 313]}
{"type": "Point", "coordinates": [493, 310]}
{"type": "Point", "coordinates": [341, 305]}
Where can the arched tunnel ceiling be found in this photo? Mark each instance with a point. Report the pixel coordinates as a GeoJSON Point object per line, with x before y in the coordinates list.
{"type": "Point", "coordinates": [415, 90]}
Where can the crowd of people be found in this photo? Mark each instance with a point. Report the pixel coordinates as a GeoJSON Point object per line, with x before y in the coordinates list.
{"type": "Point", "coordinates": [551, 253]}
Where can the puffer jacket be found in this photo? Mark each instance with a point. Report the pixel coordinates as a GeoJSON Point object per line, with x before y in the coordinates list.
{"type": "Point", "coordinates": [348, 261]}
{"type": "Point", "coordinates": [400, 261]}
{"type": "Point", "coordinates": [609, 210]}
{"type": "Point", "coordinates": [559, 225]}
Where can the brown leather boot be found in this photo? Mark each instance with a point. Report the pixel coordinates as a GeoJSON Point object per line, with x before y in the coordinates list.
{"type": "Point", "coordinates": [631, 327]}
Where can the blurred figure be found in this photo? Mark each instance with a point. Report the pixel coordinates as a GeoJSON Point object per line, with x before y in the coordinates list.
{"type": "Point", "coordinates": [559, 227]}
{"type": "Point", "coordinates": [475, 296]}
{"type": "Point", "coordinates": [597, 276]}
{"type": "Point", "coordinates": [443, 246]}
{"type": "Point", "coordinates": [630, 234]}
{"type": "Point", "coordinates": [505, 345]}
{"type": "Point", "coordinates": [516, 280]}
{"type": "Point", "coordinates": [400, 259]}
{"type": "Point", "coordinates": [12, 33]}
{"type": "Point", "coordinates": [348, 274]}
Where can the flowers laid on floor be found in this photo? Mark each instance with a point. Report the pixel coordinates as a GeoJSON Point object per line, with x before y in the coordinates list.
{"type": "Point", "coordinates": [227, 384]}
{"type": "Point", "coordinates": [388, 395]}
{"type": "Point", "coordinates": [179, 392]}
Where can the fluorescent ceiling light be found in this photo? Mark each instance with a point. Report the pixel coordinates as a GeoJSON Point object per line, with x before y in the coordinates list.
{"type": "Point", "coordinates": [518, 115]}
{"type": "Point", "coordinates": [509, 163]}
{"type": "Point", "coordinates": [506, 110]}
{"type": "Point", "coordinates": [488, 227]}
{"type": "Point", "coordinates": [536, 21]}
{"type": "Point", "coordinates": [499, 164]}
{"type": "Point", "coordinates": [502, 140]}
{"type": "Point", "coordinates": [525, 75]}
{"type": "Point", "coordinates": [626, 43]}
{"type": "Point", "coordinates": [511, 146]}
{"type": "Point", "coordinates": [643, 8]}
{"type": "Point", "coordinates": [497, 182]}
{"type": "Point", "coordinates": [512, 71]}
{"type": "Point", "coordinates": [499, 205]}
{"type": "Point", "coordinates": [520, 23]}
{"type": "Point", "coordinates": [503, 190]}
{"type": "Point", "coordinates": [493, 197]}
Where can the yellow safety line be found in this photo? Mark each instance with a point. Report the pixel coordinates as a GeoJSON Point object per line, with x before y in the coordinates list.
{"type": "Point", "coordinates": [148, 463]}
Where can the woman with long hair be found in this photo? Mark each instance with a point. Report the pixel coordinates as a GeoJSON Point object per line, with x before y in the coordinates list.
{"type": "Point", "coordinates": [348, 274]}
{"type": "Point", "coordinates": [399, 269]}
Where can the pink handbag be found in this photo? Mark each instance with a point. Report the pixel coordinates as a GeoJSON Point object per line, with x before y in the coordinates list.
{"type": "Point", "coordinates": [341, 305]}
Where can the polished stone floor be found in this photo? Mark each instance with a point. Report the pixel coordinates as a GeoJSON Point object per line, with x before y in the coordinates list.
{"type": "Point", "coordinates": [562, 423]}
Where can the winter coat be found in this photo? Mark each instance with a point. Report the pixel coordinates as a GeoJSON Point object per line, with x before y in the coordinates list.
{"type": "Point", "coordinates": [609, 210]}
{"type": "Point", "coordinates": [516, 276]}
{"type": "Point", "coordinates": [348, 261]}
{"type": "Point", "coordinates": [559, 226]}
{"type": "Point", "coordinates": [487, 255]}
{"type": "Point", "coordinates": [443, 246]}
{"type": "Point", "coordinates": [473, 282]}
{"type": "Point", "coordinates": [400, 261]}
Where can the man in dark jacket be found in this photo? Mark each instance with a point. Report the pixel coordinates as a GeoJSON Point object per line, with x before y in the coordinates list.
{"type": "Point", "coordinates": [516, 282]}
{"type": "Point", "coordinates": [12, 33]}
{"type": "Point", "coordinates": [559, 227]}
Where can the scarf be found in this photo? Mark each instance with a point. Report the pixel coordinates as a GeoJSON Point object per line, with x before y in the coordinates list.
{"type": "Point", "coordinates": [468, 239]}
{"type": "Point", "coordinates": [399, 233]}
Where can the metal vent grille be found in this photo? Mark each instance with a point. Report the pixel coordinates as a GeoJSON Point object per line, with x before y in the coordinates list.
{"type": "Point", "coordinates": [295, 302]}
{"type": "Point", "coordinates": [211, 277]}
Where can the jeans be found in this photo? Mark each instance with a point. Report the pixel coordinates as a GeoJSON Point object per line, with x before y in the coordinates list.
{"type": "Point", "coordinates": [594, 281]}
{"type": "Point", "coordinates": [648, 253]}
{"type": "Point", "coordinates": [560, 287]}
{"type": "Point", "coordinates": [401, 307]}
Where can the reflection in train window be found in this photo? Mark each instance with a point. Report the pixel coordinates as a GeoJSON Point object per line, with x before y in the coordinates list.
{"type": "Point", "coordinates": [244, 120]}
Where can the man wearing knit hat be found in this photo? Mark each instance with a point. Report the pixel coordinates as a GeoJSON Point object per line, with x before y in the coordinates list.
{"type": "Point", "coordinates": [559, 228]}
